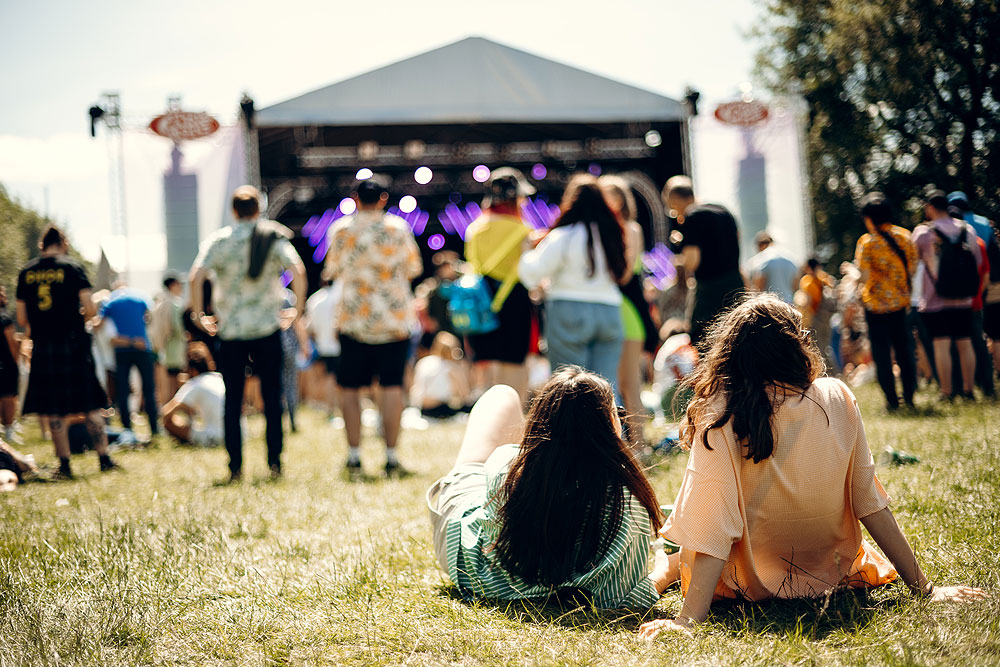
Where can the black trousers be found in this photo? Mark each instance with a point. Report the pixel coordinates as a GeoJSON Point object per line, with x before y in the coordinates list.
{"type": "Point", "coordinates": [263, 356]}
{"type": "Point", "coordinates": [125, 359]}
{"type": "Point", "coordinates": [888, 333]}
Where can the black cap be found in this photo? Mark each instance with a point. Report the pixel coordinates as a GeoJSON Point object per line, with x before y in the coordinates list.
{"type": "Point", "coordinates": [371, 189]}
{"type": "Point", "coordinates": [507, 184]}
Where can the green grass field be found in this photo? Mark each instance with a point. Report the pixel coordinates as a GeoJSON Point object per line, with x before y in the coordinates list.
{"type": "Point", "coordinates": [161, 565]}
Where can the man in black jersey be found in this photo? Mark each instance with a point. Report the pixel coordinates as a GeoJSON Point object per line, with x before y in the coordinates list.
{"type": "Point", "coordinates": [710, 250]}
{"type": "Point", "coordinates": [54, 301]}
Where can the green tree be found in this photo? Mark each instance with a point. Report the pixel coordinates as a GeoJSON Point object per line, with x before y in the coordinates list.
{"type": "Point", "coordinates": [902, 94]}
{"type": "Point", "coordinates": [21, 228]}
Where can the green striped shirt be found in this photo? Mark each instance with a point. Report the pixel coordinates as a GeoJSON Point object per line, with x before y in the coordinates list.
{"type": "Point", "coordinates": [619, 579]}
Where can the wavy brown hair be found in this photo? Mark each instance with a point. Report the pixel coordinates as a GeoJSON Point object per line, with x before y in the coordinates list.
{"type": "Point", "coordinates": [563, 500]}
{"type": "Point", "coordinates": [584, 202]}
{"type": "Point", "coordinates": [756, 354]}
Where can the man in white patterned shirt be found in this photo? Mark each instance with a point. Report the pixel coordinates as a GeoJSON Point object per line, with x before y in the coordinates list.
{"type": "Point", "coordinates": [246, 261]}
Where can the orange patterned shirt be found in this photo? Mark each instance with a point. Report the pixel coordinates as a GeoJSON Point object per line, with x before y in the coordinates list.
{"type": "Point", "coordinates": [373, 256]}
{"type": "Point", "coordinates": [787, 526]}
{"type": "Point", "coordinates": [886, 289]}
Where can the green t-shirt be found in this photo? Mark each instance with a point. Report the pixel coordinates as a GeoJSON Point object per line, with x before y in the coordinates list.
{"type": "Point", "coordinates": [619, 580]}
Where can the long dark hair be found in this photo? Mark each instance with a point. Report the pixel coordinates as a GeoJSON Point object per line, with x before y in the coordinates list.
{"type": "Point", "coordinates": [563, 500]}
{"type": "Point", "coordinates": [756, 353]}
{"type": "Point", "coordinates": [584, 202]}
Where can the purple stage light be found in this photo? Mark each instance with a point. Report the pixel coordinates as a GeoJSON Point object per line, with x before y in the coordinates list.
{"type": "Point", "coordinates": [420, 224]}
{"type": "Point", "coordinates": [435, 242]}
{"type": "Point", "coordinates": [594, 169]}
{"type": "Point", "coordinates": [320, 252]}
{"type": "Point", "coordinates": [444, 217]}
{"type": "Point", "coordinates": [481, 173]}
{"type": "Point", "coordinates": [286, 278]}
{"type": "Point", "coordinates": [310, 223]}
{"type": "Point", "coordinates": [538, 172]}
{"type": "Point", "coordinates": [322, 224]}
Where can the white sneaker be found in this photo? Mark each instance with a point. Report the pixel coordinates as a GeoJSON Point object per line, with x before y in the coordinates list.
{"type": "Point", "coordinates": [337, 423]}
{"type": "Point", "coordinates": [11, 436]}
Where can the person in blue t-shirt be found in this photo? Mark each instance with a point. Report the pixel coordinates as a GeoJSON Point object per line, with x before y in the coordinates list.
{"type": "Point", "coordinates": [129, 311]}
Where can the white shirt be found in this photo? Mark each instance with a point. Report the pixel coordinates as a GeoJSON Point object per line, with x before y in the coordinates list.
{"type": "Point", "coordinates": [562, 258]}
{"type": "Point", "coordinates": [432, 381]}
{"type": "Point", "coordinates": [205, 394]}
{"type": "Point", "coordinates": [321, 309]}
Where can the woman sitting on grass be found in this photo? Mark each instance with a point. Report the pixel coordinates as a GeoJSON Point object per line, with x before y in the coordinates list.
{"type": "Point", "coordinates": [567, 508]}
{"type": "Point", "coordinates": [779, 475]}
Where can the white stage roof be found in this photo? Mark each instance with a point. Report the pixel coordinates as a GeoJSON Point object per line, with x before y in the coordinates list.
{"type": "Point", "coordinates": [474, 80]}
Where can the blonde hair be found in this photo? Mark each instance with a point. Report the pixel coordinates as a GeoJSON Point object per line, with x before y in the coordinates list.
{"type": "Point", "coordinates": [617, 189]}
{"type": "Point", "coordinates": [447, 346]}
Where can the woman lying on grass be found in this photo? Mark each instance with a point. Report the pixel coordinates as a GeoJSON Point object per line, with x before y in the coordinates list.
{"type": "Point", "coordinates": [567, 508]}
{"type": "Point", "coordinates": [779, 475]}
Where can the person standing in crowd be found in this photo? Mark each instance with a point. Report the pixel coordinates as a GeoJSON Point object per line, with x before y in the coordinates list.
{"type": "Point", "coordinates": [129, 311]}
{"type": "Point", "coordinates": [771, 271]}
{"type": "Point", "coordinates": [991, 297]}
{"type": "Point", "coordinates": [951, 256]}
{"type": "Point", "coordinates": [54, 302]}
{"type": "Point", "coordinates": [640, 333]}
{"type": "Point", "coordinates": [246, 261]}
{"type": "Point", "coordinates": [493, 248]}
{"type": "Point", "coordinates": [959, 205]}
{"type": "Point", "coordinates": [201, 400]}
{"type": "Point", "coordinates": [887, 260]}
{"type": "Point", "coordinates": [10, 376]}
{"type": "Point", "coordinates": [321, 311]}
{"type": "Point", "coordinates": [710, 251]}
{"type": "Point", "coordinates": [373, 254]}
{"type": "Point", "coordinates": [167, 332]}
{"type": "Point", "coordinates": [818, 304]}
{"type": "Point", "coordinates": [583, 260]}
{"type": "Point", "coordinates": [294, 340]}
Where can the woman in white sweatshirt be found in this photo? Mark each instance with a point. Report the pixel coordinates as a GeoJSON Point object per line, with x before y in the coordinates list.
{"type": "Point", "coordinates": [582, 258]}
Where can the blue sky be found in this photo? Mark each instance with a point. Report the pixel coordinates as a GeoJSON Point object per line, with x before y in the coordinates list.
{"type": "Point", "coordinates": [58, 56]}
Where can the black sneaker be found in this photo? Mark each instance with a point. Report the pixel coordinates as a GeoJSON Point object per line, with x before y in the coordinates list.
{"type": "Point", "coordinates": [61, 474]}
{"type": "Point", "coordinates": [274, 472]}
{"type": "Point", "coordinates": [107, 465]}
{"type": "Point", "coordinates": [394, 469]}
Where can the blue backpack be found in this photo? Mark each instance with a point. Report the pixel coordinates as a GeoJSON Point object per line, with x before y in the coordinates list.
{"type": "Point", "coordinates": [470, 306]}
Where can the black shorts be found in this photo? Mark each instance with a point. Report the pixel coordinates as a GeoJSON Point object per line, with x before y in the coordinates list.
{"type": "Point", "coordinates": [510, 342]}
{"type": "Point", "coordinates": [174, 372]}
{"type": "Point", "coordinates": [953, 323]}
{"type": "Point", "coordinates": [332, 364]}
{"type": "Point", "coordinates": [991, 321]}
{"type": "Point", "coordinates": [361, 363]}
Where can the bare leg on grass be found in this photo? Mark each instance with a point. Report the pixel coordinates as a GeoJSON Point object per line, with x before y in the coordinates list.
{"type": "Point", "coordinates": [495, 420]}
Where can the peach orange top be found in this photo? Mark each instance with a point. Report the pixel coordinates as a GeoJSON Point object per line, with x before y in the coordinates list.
{"type": "Point", "coordinates": [787, 526]}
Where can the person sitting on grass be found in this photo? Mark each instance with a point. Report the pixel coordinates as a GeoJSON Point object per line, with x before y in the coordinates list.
{"type": "Point", "coordinates": [13, 466]}
{"type": "Point", "coordinates": [567, 507]}
{"type": "Point", "coordinates": [779, 476]}
{"type": "Point", "coordinates": [441, 381]}
{"type": "Point", "coordinates": [201, 399]}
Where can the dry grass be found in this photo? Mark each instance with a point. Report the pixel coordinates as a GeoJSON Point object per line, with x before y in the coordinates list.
{"type": "Point", "coordinates": [161, 565]}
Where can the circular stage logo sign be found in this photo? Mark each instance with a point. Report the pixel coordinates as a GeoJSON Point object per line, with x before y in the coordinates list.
{"type": "Point", "coordinates": [742, 113]}
{"type": "Point", "coordinates": [181, 126]}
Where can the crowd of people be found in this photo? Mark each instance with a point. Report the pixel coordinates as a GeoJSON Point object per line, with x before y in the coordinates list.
{"type": "Point", "coordinates": [560, 320]}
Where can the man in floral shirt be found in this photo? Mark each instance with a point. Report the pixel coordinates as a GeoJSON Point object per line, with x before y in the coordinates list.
{"type": "Point", "coordinates": [374, 257]}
